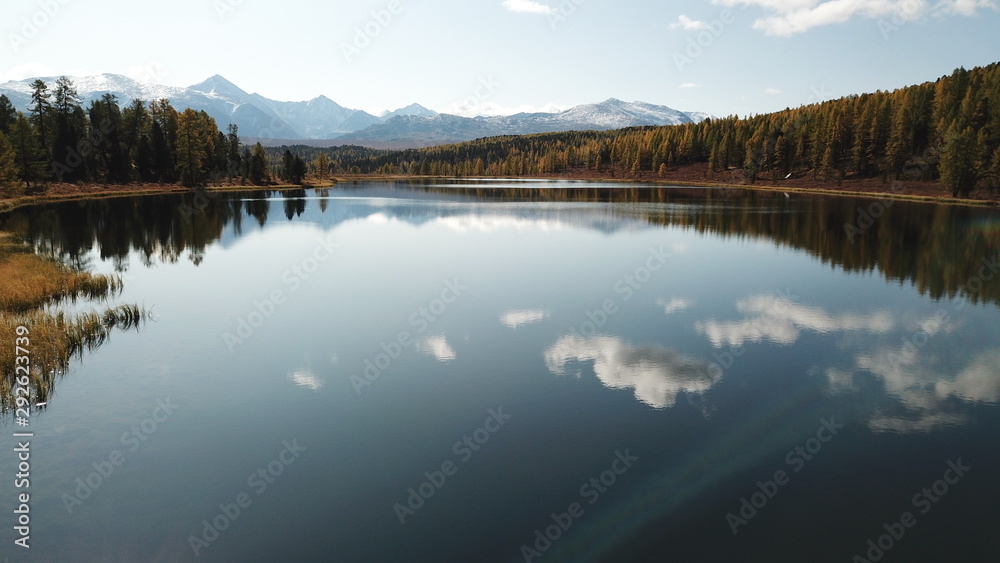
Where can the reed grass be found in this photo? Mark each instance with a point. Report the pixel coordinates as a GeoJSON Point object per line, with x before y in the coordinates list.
{"type": "Point", "coordinates": [28, 285]}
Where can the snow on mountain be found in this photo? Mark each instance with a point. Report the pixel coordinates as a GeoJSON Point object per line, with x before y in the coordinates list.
{"type": "Point", "coordinates": [615, 114]}
{"type": "Point", "coordinates": [699, 116]}
{"type": "Point", "coordinates": [415, 131]}
{"type": "Point", "coordinates": [416, 110]}
{"type": "Point", "coordinates": [322, 118]}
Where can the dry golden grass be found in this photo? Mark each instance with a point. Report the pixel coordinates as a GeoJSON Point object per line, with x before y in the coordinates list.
{"type": "Point", "coordinates": [29, 282]}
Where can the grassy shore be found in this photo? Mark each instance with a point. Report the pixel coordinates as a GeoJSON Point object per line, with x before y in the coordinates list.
{"type": "Point", "coordinates": [29, 283]}
{"type": "Point", "coordinates": [696, 175]}
{"type": "Point", "coordinates": [69, 192]}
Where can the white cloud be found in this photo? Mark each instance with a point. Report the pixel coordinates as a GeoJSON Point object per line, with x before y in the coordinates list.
{"type": "Point", "coordinates": [980, 382]}
{"type": "Point", "coordinates": [437, 346]}
{"type": "Point", "coordinates": [514, 319]}
{"type": "Point", "coordinates": [674, 305]}
{"type": "Point", "coordinates": [490, 223]}
{"type": "Point", "coordinates": [689, 85]}
{"type": "Point", "coordinates": [925, 395]}
{"type": "Point", "coordinates": [772, 91]}
{"type": "Point", "coordinates": [474, 108]}
{"type": "Point", "coordinates": [527, 6]}
{"type": "Point", "coordinates": [306, 378]}
{"type": "Point", "coordinates": [684, 22]}
{"type": "Point", "coordinates": [656, 374]}
{"type": "Point", "coordinates": [770, 317]}
{"type": "Point", "coordinates": [788, 17]}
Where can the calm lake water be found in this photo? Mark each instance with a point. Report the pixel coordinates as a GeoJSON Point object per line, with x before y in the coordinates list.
{"type": "Point", "coordinates": [490, 372]}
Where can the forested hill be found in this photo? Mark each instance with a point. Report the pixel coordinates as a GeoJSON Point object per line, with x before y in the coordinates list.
{"type": "Point", "coordinates": [946, 131]}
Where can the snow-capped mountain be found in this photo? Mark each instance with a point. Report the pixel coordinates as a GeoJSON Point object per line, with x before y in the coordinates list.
{"type": "Point", "coordinates": [323, 119]}
{"type": "Point", "coordinates": [414, 131]}
{"type": "Point", "coordinates": [415, 110]}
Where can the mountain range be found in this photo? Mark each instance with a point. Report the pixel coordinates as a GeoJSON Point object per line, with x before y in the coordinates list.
{"type": "Point", "coordinates": [321, 121]}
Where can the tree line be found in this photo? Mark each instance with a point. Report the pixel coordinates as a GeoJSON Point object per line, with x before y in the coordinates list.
{"type": "Point", "coordinates": [60, 141]}
{"type": "Point", "coordinates": [946, 131]}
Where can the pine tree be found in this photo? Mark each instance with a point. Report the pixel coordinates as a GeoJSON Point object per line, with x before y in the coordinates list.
{"type": "Point", "coordinates": [287, 166]}
{"type": "Point", "coordinates": [8, 115]}
{"type": "Point", "coordinates": [233, 164]}
{"type": "Point", "coordinates": [958, 171]}
{"type": "Point", "coordinates": [190, 148]}
{"type": "Point", "coordinates": [322, 166]}
{"type": "Point", "coordinates": [258, 165]}
{"type": "Point", "coordinates": [10, 185]}
{"type": "Point", "coordinates": [41, 109]}
{"type": "Point", "coordinates": [29, 156]}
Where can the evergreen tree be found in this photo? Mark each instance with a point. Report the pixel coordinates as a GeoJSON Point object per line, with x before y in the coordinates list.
{"type": "Point", "coordinates": [29, 156]}
{"type": "Point", "coordinates": [322, 166]}
{"type": "Point", "coordinates": [70, 124]}
{"type": "Point", "coordinates": [8, 115]}
{"type": "Point", "coordinates": [258, 165]}
{"type": "Point", "coordinates": [10, 184]}
{"type": "Point", "coordinates": [190, 148]}
{"type": "Point", "coordinates": [958, 172]}
{"type": "Point", "coordinates": [233, 164]}
{"type": "Point", "coordinates": [41, 109]}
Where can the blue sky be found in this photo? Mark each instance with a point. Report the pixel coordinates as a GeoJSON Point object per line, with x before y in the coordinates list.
{"type": "Point", "coordinates": [498, 56]}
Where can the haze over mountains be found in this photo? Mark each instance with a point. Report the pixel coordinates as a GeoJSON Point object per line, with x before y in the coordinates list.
{"type": "Point", "coordinates": [321, 121]}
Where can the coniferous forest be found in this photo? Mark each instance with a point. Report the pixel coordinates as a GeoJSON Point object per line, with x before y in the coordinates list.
{"type": "Point", "coordinates": [946, 131]}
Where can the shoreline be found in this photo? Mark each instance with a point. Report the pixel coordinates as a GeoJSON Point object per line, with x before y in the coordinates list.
{"type": "Point", "coordinates": [72, 192]}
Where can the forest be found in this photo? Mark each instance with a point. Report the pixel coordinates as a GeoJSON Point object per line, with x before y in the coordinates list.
{"type": "Point", "coordinates": [946, 131]}
{"type": "Point", "coordinates": [60, 141]}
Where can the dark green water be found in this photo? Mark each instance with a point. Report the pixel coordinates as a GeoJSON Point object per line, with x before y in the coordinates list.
{"type": "Point", "coordinates": [454, 372]}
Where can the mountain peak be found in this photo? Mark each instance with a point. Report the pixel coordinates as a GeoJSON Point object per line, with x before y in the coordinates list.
{"type": "Point", "coordinates": [415, 110]}
{"type": "Point", "coordinates": [218, 84]}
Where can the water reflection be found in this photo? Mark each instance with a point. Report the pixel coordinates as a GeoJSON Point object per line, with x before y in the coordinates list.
{"type": "Point", "coordinates": [515, 318]}
{"type": "Point", "coordinates": [674, 305]}
{"type": "Point", "coordinates": [656, 374]}
{"type": "Point", "coordinates": [923, 395]}
{"type": "Point", "coordinates": [945, 245]}
{"type": "Point", "coordinates": [306, 378]}
{"type": "Point", "coordinates": [773, 317]}
{"type": "Point", "coordinates": [437, 347]}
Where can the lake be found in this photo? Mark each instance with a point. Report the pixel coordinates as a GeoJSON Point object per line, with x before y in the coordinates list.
{"type": "Point", "coordinates": [523, 371]}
